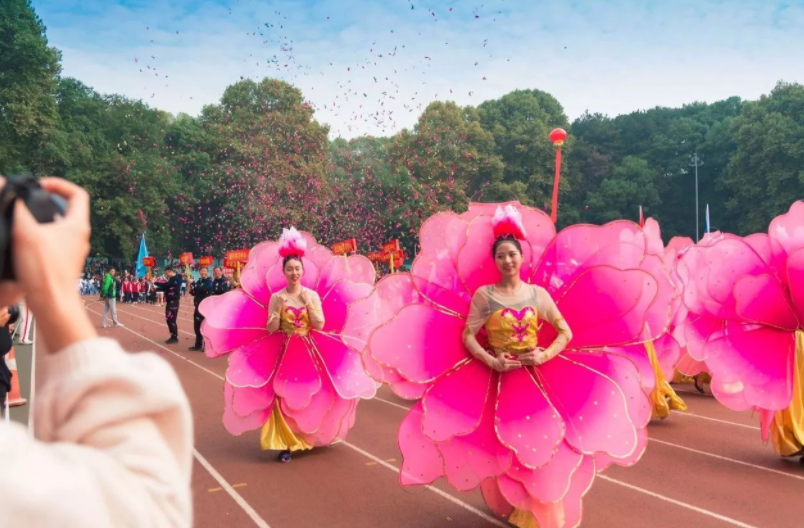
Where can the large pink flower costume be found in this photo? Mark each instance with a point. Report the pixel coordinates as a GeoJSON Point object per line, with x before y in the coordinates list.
{"type": "Point", "coordinates": [533, 438]}
{"type": "Point", "coordinates": [748, 294]}
{"type": "Point", "coordinates": [299, 384]}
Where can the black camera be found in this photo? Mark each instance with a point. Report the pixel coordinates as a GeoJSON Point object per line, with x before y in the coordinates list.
{"type": "Point", "coordinates": [43, 205]}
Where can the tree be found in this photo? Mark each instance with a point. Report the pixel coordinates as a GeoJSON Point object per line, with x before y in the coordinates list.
{"type": "Point", "coordinates": [520, 123]}
{"type": "Point", "coordinates": [766, 173]}
{"type": "Point", "coordinates": [449, 154]}
{"type": "Point", "coordinates": [29, 71]}
{"type": "Point", "coordinates": [631, 185]}
{"type": "Point", "coordinates": [269, 163]}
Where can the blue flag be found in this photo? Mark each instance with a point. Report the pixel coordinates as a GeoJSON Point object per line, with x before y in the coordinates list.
{"type": "Point", "coordinates": [142, 271]}
{"type": "Point", "coordinates": [707, 219]}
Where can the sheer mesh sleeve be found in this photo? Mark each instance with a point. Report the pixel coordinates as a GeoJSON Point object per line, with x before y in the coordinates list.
{"type": "Point", "coordinates": [549, 312]}
{"type": "Point", "coordinates": [479, 311]}
{"type": "Point", "coordinates": [315, 310]}
{"type": "Point", "coordinates": [273, 311]}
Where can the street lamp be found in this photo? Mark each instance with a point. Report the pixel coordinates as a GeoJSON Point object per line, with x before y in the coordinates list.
{"type": "Point", "coordinates": [696, 161]}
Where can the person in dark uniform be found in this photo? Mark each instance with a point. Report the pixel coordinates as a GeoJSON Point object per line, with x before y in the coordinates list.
{"type": "Point", "coordinates": [172, 289]}
{"type": "Point", "coordinates": [8, 316]}
{"type": "Point", "coordinates": [200, 290]}
{"type": "Point", "coordinates": [219, 282]}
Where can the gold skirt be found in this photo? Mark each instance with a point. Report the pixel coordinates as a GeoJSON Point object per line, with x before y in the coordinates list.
{"type": "Point", "coordinates": [787, 429]}
{"type": "Point", "coordinates": [663, 397]}
{"type": "Point", "coordinates": [276, 434]}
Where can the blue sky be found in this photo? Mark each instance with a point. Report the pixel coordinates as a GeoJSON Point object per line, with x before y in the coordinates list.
{"type": "Point", "coordinates": [371, 67]}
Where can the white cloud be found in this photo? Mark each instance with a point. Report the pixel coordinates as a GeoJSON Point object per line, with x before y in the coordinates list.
{"type": "Point", "coordinates": [612, 57]}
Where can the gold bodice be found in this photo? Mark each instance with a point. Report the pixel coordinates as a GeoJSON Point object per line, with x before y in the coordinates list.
{"type": "Point", "coordinates": [513, 331]}
{"type": "Point", "coordinates": [295, 321]}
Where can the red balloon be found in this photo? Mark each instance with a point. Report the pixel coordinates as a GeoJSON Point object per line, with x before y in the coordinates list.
{"type": "Point", "coordinates": [558, 136]}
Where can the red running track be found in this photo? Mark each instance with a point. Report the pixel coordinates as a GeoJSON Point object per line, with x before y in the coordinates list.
{"type": "Point", "coordinates": [703, 468]}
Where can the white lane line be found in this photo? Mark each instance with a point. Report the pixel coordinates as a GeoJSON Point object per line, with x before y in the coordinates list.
{"type": "Point", "coordinates": [437, 491]}
{"type": "Point", "coordinates": [149, 320]}
{"type": "Point", "coordinates": [392, 403]}
{"type": "Point", "coordinates": [259, 521]}
{"type": "Point", "coordinates": [696, 509]}
{"type": "Point", "coordinates": [189, 320]}
{"type": "Point", "coordinates": [167, 349]}
{"type": "Point", "coordinates": [720, 457]}
{"type": "Point", "coordinates": [468, 507]}
{"type": "Point", "coordinates": [693, 415]}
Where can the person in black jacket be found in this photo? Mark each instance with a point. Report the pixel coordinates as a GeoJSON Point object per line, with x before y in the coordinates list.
{"type": "Point", "coordinates": [200, 290]}
{"type": "Point", "coordinates": [172, 289]}
{"type": "Point", "coordinates": [8, 316]}
{"type": "Point", "coordinates": [220, 283]}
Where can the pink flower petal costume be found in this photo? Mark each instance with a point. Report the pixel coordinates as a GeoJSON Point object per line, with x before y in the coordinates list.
{"type": "Point", "coordinates": [532, 438]}
{"type": "Point", "coordinates": [748, 294]}
{"type": "Point", "coordinates": [291, 371]}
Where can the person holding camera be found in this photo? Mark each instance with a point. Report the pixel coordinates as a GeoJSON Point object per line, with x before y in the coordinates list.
{"type": "Point", "coordinates": [114, 435]}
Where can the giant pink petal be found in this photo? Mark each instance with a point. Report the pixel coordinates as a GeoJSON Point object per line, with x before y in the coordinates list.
{"type": "Point", "coordinates": [697, 331]}
{"type": "Point", "coordinates": [417, 328]}
{"type": "Point", "coordinates": [236, 424]}
{"type": "Point", "coordinates": [434, 270]}
{"type": "Point", "coordinates": [597, 417]}
{"type": "Point", "coordinates": [680, 243]}
{"type": "Point", "coordinates": [653, 235]}
{"type": "Point", "coordinates": [606, 306]}
{"type": "Point", "coordinates": [231, 320]}
{"type": "Point", "coordinates": [690, 367]}
{"type": "Point", "coordinates": [344, 367]}
{"type": "Point", "coordinates": [249, 400]}
{"type": "Point", "coordinates": [309, 418]}
{"type": "Point", "coordinates": [638, 355]}
{"type": "Point", "coordinates": [421, 461]}
{"type": "Point", "coordinates": [711, 273]}
{"type": "Point", "coordinates": [795, 279]}
{"type": "Point", "coordinates": [262, 257]}
{"type": "Point", "coordinates": [470, 459]}
{"type": "Point", "coordinates": [619, 244]}
{"type": "Point", "coordinates": [659, 313]}
{"type": "Point", "coordinates": [337, 422]}
{"type": "Point", "coordinates": [316, 253]}
{"type": "Point", "coordinates": [668, 352]}
{"type": "Point", "coordinates": [568, 512]}
{"type": "Point", "coordinates": [390, 295]}
{"type": "Point", "coordinates": [754, 361]}
{"type": "Point", "coordinates": [551, 482]}
{"type": "Point", "coordinates": [526, 422]}
{"type": "Point", "coordinates": [335, 303]}
{"type": "Point", "coordinates": [786, 232]}
{"type": "Point", "coordinates": [620, 370]}
{"type": "Point", "coordinates": [494, 498]}
{"type": "Point", "coordinates": [254, 364]}
{"type": "Point", "coordinates": [298, 377]}
{"type": "Point", "coordinates": [761, 299]}
{"type": "Point", "coordinates": [762, 246]}
{"type": "Point", "coordinates": [408, 390]}
{"type": "Point", "coordinates": [453, 405]}
{"type": "Point", "coordinates": [356, 269]}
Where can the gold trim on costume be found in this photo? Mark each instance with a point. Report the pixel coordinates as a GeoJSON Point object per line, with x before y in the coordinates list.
{"type": "Point", "coordinates": [663, 397]}
{"type": "Point", "coordinates": [787, 429]}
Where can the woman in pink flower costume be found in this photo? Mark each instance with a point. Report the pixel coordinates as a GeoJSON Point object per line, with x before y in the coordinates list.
{"type": "Point", "coordinates": [748, 296]}
{"type": "Point", "coordinates": [290, 371]}
{"type": "Point", "coordinates": [503, 405]}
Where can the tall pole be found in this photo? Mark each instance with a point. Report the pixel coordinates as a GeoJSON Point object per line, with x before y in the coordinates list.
{"type": "Point", "coordinates": [557, 136]}
{"type": "Point", "coordinates": [696, 162]}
